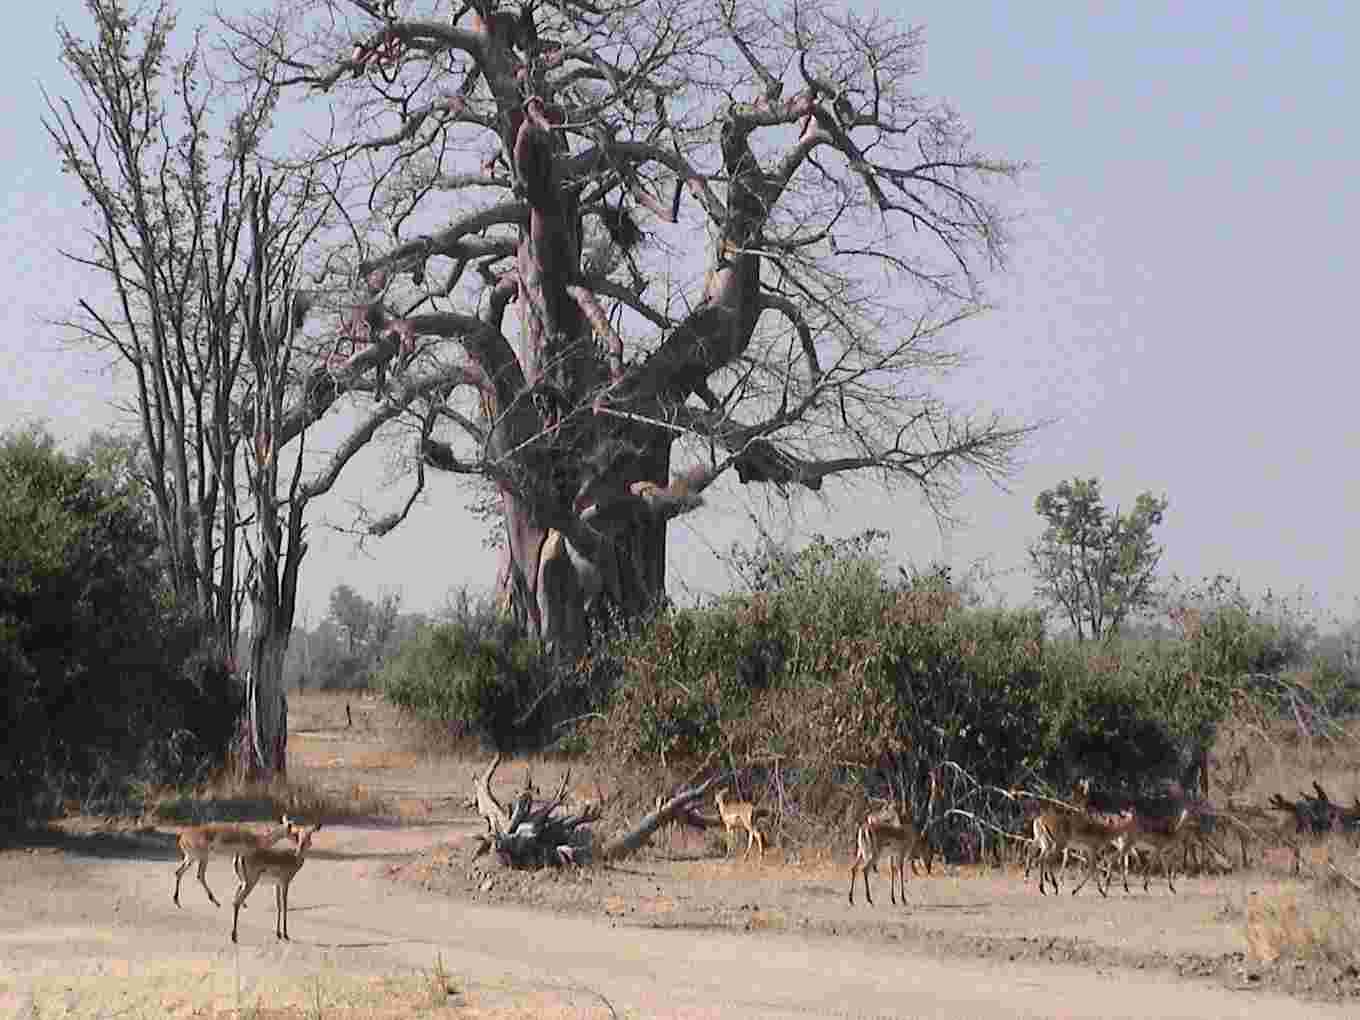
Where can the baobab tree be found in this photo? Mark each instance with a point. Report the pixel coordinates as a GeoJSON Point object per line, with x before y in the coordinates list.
{"type": "Point", "coordinates": [843, 223]}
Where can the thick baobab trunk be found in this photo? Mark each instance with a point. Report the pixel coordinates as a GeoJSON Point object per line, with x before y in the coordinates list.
{"type": "Point", "coordinates": [559, 575]}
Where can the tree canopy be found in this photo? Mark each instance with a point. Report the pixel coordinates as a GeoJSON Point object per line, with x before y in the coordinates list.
{"type": "Point", "coordinates": [816, 230]}
{"type": "Point", "coordinates": [1097, 567]}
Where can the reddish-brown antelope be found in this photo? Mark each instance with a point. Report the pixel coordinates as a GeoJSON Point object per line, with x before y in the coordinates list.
{"type": "Point", "coordinates": [277, 866]}
{"type": "Point", "coordinates": [1161, 836]}
{"type": "Point", "coordinates": [205, 842]}
{"type": "Point", "coordinates": [737, 815]}
{"type": "Point", "coordinates": [1067, 828]}
{"type": "Point", "coordinates": [900, 840]}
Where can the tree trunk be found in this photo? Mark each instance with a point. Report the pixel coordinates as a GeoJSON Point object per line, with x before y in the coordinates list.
{"type": "Point", "coordinates": [561, 576]}
{"type": "Point", "coordinates": [262, 731]}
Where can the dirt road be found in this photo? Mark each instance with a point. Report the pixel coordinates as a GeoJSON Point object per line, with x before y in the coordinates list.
{"type": "Point", "coordinates": [89, 930]}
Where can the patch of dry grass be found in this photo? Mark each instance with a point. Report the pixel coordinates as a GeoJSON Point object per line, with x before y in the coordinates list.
{"type": "Point", "coordinates": [1319, 922]}
{"type": "Point", "coordinates": [230, 800]}
{"type": "Point", "coordinates": [204, 989]}
{"type": "Point", "coordinates": [1255, 757]}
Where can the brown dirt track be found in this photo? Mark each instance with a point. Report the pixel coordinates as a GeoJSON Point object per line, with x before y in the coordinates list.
{"type": "Point", "coordinates": [383, 908]}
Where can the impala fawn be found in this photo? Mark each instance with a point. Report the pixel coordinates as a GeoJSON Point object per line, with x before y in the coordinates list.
{"type": "Point", "coordinates": [740, 814]}
{"type": "Point", "coordinates": [205, 842]}
{"type": "Point", "coordinates": [276, 866]}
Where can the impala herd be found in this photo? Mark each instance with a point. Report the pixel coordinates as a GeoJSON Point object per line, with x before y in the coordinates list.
{"type": "Point", "coordinates": [1059, 830]}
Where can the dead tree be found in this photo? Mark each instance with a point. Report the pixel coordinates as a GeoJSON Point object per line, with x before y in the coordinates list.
{"type": "Point", "coordinates": [531, 834]}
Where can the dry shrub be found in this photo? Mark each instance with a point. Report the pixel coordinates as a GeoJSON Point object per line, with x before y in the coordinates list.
{"type": "Point", "coordinates": [921, 607]}
{"type": "Point", "coordinates": [429, 738]}
{"type": "Point", "coordinates": [1318, 923]}
{"type": "Point", "coordinates": [1255, 756]}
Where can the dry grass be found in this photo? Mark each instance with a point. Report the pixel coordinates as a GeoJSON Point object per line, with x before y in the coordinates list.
{"type": "Point", "coordinates": [1255, 757]}
{"type": "Point", "coordinates": [206, 989]}
{"type": "Point", "coordinates": [229, 800]}
{"type": "Point", "coordinates": [1319, 922]}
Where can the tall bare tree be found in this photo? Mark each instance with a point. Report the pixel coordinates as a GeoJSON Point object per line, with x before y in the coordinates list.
{"type": "Point", "coordinates": [204, 254]}
{"type": "Point", "coordinates": [166, 220]}
{"type": "Point", "coordinates": [842, 221]}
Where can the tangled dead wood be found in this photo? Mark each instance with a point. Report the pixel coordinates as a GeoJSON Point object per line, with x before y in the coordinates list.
{"type": "Point", "coordinates": [532, 835]}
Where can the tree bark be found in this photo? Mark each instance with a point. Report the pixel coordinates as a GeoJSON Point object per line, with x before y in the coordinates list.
{"type": "Point", "coordinates": [261, 751]}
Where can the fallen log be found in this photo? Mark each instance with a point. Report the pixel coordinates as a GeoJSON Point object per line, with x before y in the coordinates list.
{"type": "Point", "coordinates": [531, 835]}
{"type": "Point", "coordinates": [678, 808]}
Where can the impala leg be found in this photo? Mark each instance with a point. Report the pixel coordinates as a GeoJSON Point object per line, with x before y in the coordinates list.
{"type": "Point", "coordinates": [281, 911]}
{"type": "Point", "coordinates": [241, 893]}
{"type": "Point", "coordinates": [179, 874]}
{"type": "Point", "coordinates": [1090, 870]}
{"type": "Point", "coordinates": [1044, 871]}
{"type": "Point", "coordinates": [203, 880]}
{"type": "Point", "coordinates": [866, 885]}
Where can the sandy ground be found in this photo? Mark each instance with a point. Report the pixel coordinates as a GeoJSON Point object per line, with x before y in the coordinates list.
{"type": "Point", "coordinates": [385, 917]}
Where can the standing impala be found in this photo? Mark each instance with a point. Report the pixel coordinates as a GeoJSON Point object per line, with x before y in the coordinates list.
{"type": "Point", "coordinates": [277, 866]}
{"type": "Point", "coordinates": [897, 837]}
{"type": "Point", "coordinates": [740, 814]}
{"type": "Point", "coordinates": [893, 832]}
{"type": "Point", "coordinates": [220, 840]}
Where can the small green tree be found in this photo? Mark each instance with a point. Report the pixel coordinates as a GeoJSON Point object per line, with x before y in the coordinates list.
{"type": "Point", "coordinates": [1096, 566]}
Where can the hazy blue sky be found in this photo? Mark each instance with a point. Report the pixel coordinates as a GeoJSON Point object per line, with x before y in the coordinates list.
{"type": "Point", "coordinates": [1176, 297]}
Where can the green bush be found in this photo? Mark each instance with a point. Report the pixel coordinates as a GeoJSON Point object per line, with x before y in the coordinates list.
{"type": "Point", "coordinates": [478, 679]}
{"type": "Point", "coordinates": [99, 689]}
{"type": "Point", "coordinates": [826, 663]}
{"type": "Point", "coordinates": [830, 670]}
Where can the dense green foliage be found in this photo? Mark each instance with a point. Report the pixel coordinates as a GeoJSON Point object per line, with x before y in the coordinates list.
{"type": "Point", "coordinates": [102, 678]}
{"type": "Point", "coordinates": [826, 672]}
{"type": "Point", "coordinates": [828, 675]}
{"type": "Point", "coordinates": [475, 675]}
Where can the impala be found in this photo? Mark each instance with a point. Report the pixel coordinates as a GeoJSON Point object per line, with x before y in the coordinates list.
{"type": "Point", "coordinates": [218, 840]}
{"type": "Point", "coordinates": [1162, 837]}
{"type": "Point", "coordinates": [1065, 828]}
{"type": "Point", "coordinates": [900, 839]}
{"type": "Point", "coordinates": [277, 866]}
{"type": "Point", "coordinates": [740, 814]}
